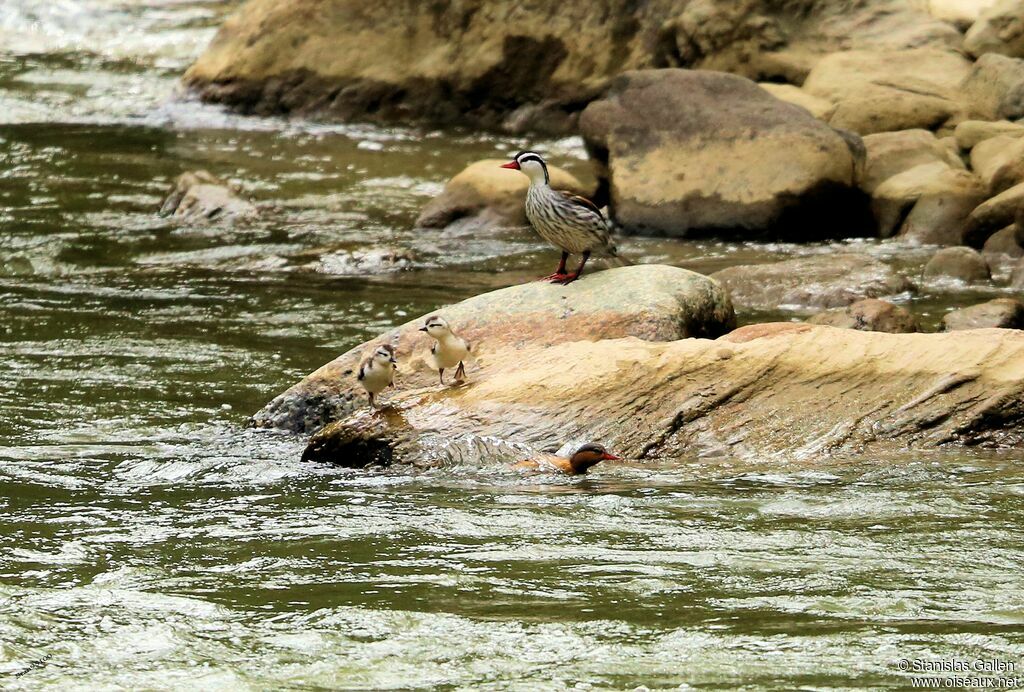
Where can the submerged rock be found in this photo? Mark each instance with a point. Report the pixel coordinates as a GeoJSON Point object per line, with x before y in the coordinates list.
{"type": "Point", "coordinates": [820, 281]}
{"type": "Point", "coordinates": [960, 263]}
{"type": "Point", "coordinates": [484, 194]}
{"type": "Point", "coordinates": [200, 197]}
{"type": "Point", "coordinates": [690, 152]}
{"type": "Point", "coordinates": [870, 315]}
{"type": "Point", "coordinates": [793, 390]}
{"type": "Point", "coordinates": [652, 302]}
{"type": "Point", "coordinates": [1006, 313]}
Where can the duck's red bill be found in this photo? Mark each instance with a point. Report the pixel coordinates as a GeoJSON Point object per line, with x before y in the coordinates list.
{"type": "Point", "coordinates": [511, 164]}
{"type": "Point", "coordinates": [611, 457]}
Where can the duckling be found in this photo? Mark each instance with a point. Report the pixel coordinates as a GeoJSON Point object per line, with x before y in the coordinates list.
{"type": "Point", "coordinates": [449, 348]}
{"type": "Point", "coordinates": [586, 456]}
{"type": "Point", "coordinates": [377, 372]}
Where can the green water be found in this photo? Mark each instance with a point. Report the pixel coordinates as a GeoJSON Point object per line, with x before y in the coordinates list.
{"type": "Point", "coordinates": [149, 541]}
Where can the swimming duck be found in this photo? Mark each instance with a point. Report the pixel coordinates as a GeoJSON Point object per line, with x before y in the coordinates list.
{"type": "Point", "coordinates": [582, 459]}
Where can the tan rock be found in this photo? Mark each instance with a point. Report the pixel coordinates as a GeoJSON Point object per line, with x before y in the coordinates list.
{"type": "Point", "coordinates": [970, 133]}
{"type": "Point", "coordinates": [820, 281]}
{"type": "Point", "coordinates": [879, 91]}
{"type": "Point", "coordinates": [797, 391]}
{"type": "Point", "coordinates": [869, 315]}
{"type": "Point", "coordinates": [1002, 313]}
{"type": "Point", "coordinates": [994, 88]}
{"type": "Point", "coordinates": [890, 153]}
{"type": "Point", "coordinates": [1017, 276]}
{"type": "Point", "coordinates": [950, 195]}
{"type": "Point", "coordinates": [999, 29]}
{"type": "Point", "coordinates": [818, 107]}
{"type": "Point", "coordinates": [485, 194]}
{"type": "Point", "coordinates": [992, 215]}
{"type": "Point", "coordinates": [960, 13]}
{"type": "Point", "coordinates": [653, 302]}
{"type": "Point", "coordinates": [999, 162]}
{"type": "Point", "coordinates": [692, 152]}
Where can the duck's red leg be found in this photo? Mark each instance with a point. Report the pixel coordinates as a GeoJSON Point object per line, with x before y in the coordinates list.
{"type": "Point", "coordinates": [569, 278]}
{"type": "Point", "coordinates": [559, 274]}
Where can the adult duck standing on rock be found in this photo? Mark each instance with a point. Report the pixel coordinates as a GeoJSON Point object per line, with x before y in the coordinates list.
{"type": "Point", "coordinates": [571, 223]}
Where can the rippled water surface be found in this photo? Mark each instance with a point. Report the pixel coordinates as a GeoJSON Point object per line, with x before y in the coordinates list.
{"type": "Point", "coordinates": [149, 541]}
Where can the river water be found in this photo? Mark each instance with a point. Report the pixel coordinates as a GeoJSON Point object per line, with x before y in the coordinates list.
{"type": "Point", "coordinates": [149, 541]}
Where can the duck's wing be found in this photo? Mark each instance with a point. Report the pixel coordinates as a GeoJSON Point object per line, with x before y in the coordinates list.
{"type": "Point", "coordinates": [362, 370]}
{"type": "Point", "coordinates": [581, 202]}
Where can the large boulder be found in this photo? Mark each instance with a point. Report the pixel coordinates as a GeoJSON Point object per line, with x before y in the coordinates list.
{"type": "Point", "coordinates": [483, 194]}
{"type": "Point", "coordinates": [958, 263]}
{"type": "Point", "coordinates": [1004, 313]}
{"type": "Point", "coordinates": [793, 390]}
{"type": "Point", "coordinates": [820, 281]}
{"type": "Point", "coordinates": [884, 91]}
{"type": "Point", "coordinates": [994, 89]}
{"type": "Point", "coordinates": [929, 203]}
{"type": "Point", "coordinates": [993, 215]}
{"type": "Point", "coordinates": [201, 198]}
{"type": "Point", "coordinates": [692, 152]}
{"type": "Point", "coordinates": [869, 315]}
{"type": "Point", "coordinates": [483, 61]}
{"type": "Point", "coordinates": [999, 29]}
{"type": "Point", "coordinates": [652, 302]}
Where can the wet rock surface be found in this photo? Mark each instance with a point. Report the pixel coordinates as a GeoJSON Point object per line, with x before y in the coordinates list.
{"type": "Point", "coordinates": [959, 263]}
{"type": "Point", "coordinates": [651, 302]}
{"type": "Point", "coordinates": [787, 389]}
{"type": "Point", "coordinates": [689, 153]}
{"type": "Point", "coordinates": [870, 315]}
{"type": "Point", "coordinates": [1007, 313]}
{"type": "Point", "coordinates": [826, 281]}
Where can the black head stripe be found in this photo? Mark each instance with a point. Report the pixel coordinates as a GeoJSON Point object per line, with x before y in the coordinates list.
{"type": "Point", "coordinates": [524, 156]}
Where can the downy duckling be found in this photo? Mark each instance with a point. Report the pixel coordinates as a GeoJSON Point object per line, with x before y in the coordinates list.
{"type": "Point", "coordinates": [449, 349]}
{"type": "Point", "coordinates": [377, 372]}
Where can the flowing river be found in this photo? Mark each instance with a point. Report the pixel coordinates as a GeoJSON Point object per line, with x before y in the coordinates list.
{"type": "Point", "coordinates": [148, 540]}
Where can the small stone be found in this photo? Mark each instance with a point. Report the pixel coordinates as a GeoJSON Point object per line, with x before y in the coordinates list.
{"type": "Point", "coordinates": [870, 315]}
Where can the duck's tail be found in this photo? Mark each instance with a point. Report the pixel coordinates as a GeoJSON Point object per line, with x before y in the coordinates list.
{"type": "Point", "coordinates": [617, 260]}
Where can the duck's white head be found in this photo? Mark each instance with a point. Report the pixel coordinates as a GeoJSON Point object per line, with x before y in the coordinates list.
{"type": "Point", "coordinates": [436, 327]}
{"type": "Point", "coordinates": [384, 355]}
{"type": "Point", "coordinates": [532, 164]}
